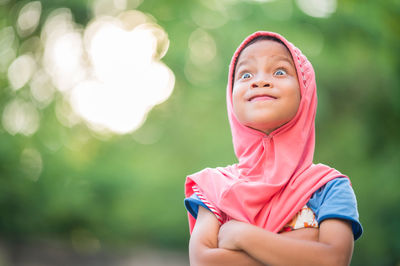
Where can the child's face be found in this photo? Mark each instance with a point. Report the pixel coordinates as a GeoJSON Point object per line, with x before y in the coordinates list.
{"type": "Point", "coordinates": [266, 92]}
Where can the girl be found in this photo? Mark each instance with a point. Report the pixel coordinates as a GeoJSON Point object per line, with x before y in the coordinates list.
{"type": "Point", "coordinates": [274, 206]}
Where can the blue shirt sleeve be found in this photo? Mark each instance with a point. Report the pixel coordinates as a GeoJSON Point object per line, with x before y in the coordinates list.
{"type": "Point", "coordinates": [336, 199]}
{"type": "Point", "coordinates": [192, 205]}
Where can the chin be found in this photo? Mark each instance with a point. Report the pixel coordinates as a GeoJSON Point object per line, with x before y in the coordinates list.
{"type": "Point", "coordinates": [262, 127]}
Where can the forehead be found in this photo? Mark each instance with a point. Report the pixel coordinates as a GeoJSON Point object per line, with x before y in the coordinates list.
{"type": "Point", "coordinates": [264, 48]}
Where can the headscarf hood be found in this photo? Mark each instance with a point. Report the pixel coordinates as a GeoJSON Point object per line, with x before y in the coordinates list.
{"type": "Point", "coordinates": [275, 176]}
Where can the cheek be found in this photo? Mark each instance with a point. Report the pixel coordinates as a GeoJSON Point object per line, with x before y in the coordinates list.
{"type": "Point", "coordinates": [292, 88]}
{"type": "Point", "coordinates": [295, 92]}
{"type": "Point", "coordinates": [237, 103]}
{"type": "Point", "coordinates": [295, 99]}
{"type": "Point", "coordinates": [292, 95]}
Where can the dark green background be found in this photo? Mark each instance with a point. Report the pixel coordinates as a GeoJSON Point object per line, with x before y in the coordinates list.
{"type": "Point", "coordinates": [124, 193]}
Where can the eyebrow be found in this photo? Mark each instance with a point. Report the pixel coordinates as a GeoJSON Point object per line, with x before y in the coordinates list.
{"type": "Point", "coordinates": [284, 58]}
{"type": "Point", "coordinates": [243, 63]}
{"type": "Point", "coordinates": [274, 59]}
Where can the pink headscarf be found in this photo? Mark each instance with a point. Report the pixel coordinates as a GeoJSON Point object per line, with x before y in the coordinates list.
{"type": "Point", "coordinates": [275, 176]}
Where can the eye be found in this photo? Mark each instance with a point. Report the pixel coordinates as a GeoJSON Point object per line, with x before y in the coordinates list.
{"type": "Point", "coordinates": [246, 75]}
{"type": "Point", "coordinates": [280, 72]}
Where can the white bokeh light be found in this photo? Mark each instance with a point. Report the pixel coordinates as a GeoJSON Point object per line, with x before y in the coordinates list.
{"type": "Point", "coordinates": [212, 20]}
{"type": "Point", "coordinates": [114, 108]}
{"type": "Point", "coordinates": [21, 70]}
{"type": "Point", "coordinates": [7, 51]}
{"type": "Point", "coordinates": [110, 72]}
{"type": "Point", "coordinates": [117, 54]}
{"type": "Point", "coordinates": [42, 90]}
{"type": "Point", "coordinates": [108, 7]}
{"type": "Point", "coordinates": [20, 117]}
{"type": "Point", "coordinates": [202, 47]}
{"type": "Point", "coordinates": [31, 163]}
{"type": "Point", "coordinates": [317, 8]}
{"type": "Point", "coordinates": [28, 18]}
{"type": "Point", "coordinates": [63, 56]}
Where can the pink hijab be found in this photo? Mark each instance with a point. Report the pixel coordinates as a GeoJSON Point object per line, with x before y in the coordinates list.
{"type": "Point", "coordinates": [275, 176]}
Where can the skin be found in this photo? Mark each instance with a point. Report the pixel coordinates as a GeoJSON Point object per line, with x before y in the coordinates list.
{"type": "Point", "coordinates": [333, 247]}
{"type": "Point", "coordinates": [266, 68]}
{"type": "Point", "coordinates": [238, 243]}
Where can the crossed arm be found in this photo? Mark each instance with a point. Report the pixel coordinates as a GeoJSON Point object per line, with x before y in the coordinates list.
{"type": "Point", "coordinates": [237, 243]}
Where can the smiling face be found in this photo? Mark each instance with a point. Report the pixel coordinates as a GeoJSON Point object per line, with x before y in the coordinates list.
{"type": "Point", "coordinates": [266, 91]}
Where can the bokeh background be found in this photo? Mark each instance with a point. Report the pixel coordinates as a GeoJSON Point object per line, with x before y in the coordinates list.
{"type": "Point", "coordinates": [106, 106]}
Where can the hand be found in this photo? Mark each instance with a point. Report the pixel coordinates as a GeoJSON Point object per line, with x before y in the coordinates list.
{"type": "Point", "coordinates": [230, 233]}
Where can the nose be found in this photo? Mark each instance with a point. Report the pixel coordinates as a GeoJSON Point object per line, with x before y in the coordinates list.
{"type": "Point", "coordinates": [261, 83]}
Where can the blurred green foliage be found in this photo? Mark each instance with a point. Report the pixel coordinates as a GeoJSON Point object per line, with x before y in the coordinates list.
{"type": "Point", "coordinates": [122, 191]}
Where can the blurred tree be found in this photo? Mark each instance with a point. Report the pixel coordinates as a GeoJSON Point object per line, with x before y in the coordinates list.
{"type": "Point", "coordinates": [71, 183]}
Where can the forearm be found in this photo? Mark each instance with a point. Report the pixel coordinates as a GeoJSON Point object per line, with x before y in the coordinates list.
{"type": "Point", "coordinates": [275, 249]}
{"type": "Point", "coordinates": [281, 250]}
{"type": "Point", "coordinates": [221, 257]}
{"type": "Point", "coordinates": [203, 245]}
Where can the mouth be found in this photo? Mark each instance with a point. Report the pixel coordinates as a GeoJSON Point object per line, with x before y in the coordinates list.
{"type": "Point", "coordinates": [261, 97]}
